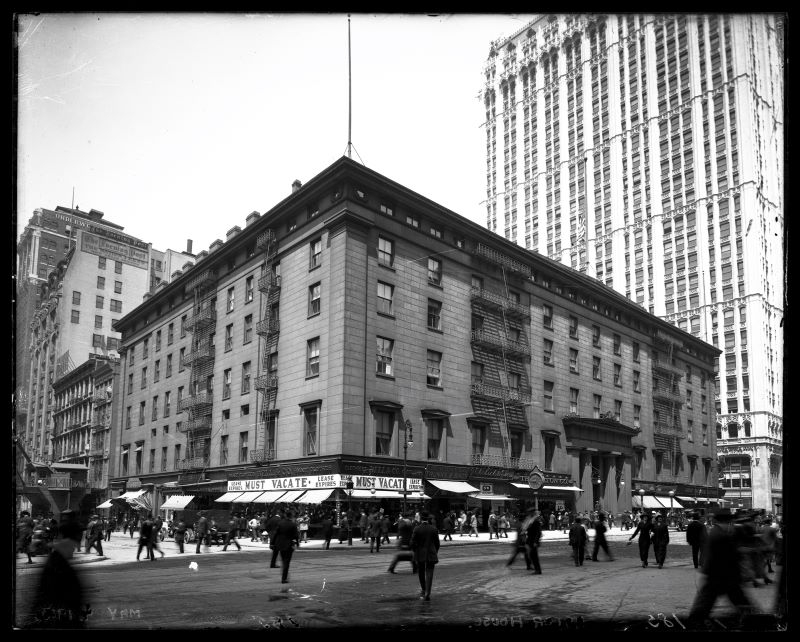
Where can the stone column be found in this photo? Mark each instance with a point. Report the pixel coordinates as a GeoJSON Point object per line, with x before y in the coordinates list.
{"type": "Point", "coordinates": [610, 483]}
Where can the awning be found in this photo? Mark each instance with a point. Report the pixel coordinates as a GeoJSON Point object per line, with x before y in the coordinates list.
{"type": "Point", "coordinates": [227, 497]}
{"type": "Point", "coordinates": [565, 488]}
{"type": "Point", "coordinates": [648, 500]}
{"type": "Point", "coordinates": [132, 494]}
{"type": "Point", "coordinates": [246, 498]}
{"type": "Point", "coordinates": [315, 496]}
{"type": "Point", "coordinates": [106, 504]}
{"type": "Point", "coordinates": [291, 496]}
{"type": "Point", "coordinates": [687, 499]}
{"type": "Point", "coordinates": [387, 494]}
{"type": "Point", "coordinates": [454, 486]}
{"type": "Point", "coordinates": [670, 503]}
{"type": "Point", "coordinates": [57, 466]}
{"type": "Point", "coordinates": [177, 502]}
{"type": "Point", "coordinates": [496, 498]}
{"type": "Point", "coordinates": [269, 496]}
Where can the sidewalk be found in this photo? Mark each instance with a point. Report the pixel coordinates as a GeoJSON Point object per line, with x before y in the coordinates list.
{"type": "Point", "coordinates": [121, 548]}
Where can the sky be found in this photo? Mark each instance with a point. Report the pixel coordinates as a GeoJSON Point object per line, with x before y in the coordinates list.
{"type": "Point", "coordinates": [177, 126]}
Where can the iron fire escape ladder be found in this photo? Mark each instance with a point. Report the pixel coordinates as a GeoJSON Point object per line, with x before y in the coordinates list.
{"type": "Point", "coordinates": [269, 393]}
{"type": "Point", "coordinates": [504, 432]}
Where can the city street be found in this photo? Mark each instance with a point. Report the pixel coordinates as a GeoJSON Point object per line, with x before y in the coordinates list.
{"type": "Point", "coordinates": [349, 587]}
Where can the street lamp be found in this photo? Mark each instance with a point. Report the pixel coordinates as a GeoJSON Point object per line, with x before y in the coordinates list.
{"type": "Point", "coordinates": [671, 511]}
{"type": "Point", "coordinates": [641, 501]}
{"type": "Point", "coordinates": [349, 487]}
{"type": "Point", "coordinates": [408, 440]}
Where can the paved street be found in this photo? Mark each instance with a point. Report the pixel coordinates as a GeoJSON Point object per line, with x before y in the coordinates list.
{"type": "Point", "coordinates": [348, 587]}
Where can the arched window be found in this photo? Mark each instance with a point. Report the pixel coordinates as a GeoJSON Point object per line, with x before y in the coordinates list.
{"type": "Point", "coordinates": [733, 430]}
{"type": "Point", "coordinates": [746, 426]}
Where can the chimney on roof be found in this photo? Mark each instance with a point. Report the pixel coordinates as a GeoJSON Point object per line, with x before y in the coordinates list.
{"type": "Point", "coordinates": [188, 246]}
{"type": "Point", "coordinates": [232, 232]}
{"type": "Point", "coordinates": [296, 185]}
{"type": "Point", "coordinates": [251, 218]}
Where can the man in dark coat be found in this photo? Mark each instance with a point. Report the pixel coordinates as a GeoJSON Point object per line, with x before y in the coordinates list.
{"type": "Point", "coordinates": [533, 535]}
{"type": "Point", "coordinates": [146, 539]}
{"type": "Point", "coordinates": [425, 544]}
{"type": "Point", "coordinates": [600, 538]}
{"type": "Point", "coordinates": [327, 530]}
{"type": "Point", "coordinates": [696, 537]}
{"type": "Point", "coordinates": [271, 527]}
{"type": "Point", "coordinates": [660, 538]}
{"type": "Point", "coordinates": [202, 532]}
{"type": "Point", "coordinates": [404, 553]}
{"type": "Point", "coordinates": [722, 570]}
{"type": "Point", "coordinates": [230, 536]}
{"type": "Point", "coordinates": [520, 546]}
{"type": "Point", "coordinates": [643, 529]}
{"type": "Point", "coordinates": [577, 540]}
{"type": "Point", "coordinates": [180, 534]}
{"type": "Point", "coordinates": [94, 535]}
{"type": "Point", "coordinates": [284, 539]}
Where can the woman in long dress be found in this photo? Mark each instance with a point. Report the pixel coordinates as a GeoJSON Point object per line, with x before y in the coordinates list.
{"type": "Point", "coordinates": [643, 529]}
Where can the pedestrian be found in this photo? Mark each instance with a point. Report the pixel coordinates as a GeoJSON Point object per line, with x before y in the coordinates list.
{"type": "Point", "coordinates": [145, 539]}
{"type": "Point", "coordinates": [344, 528]}
{"type": "Point", "coordinates": [109, 525]}
{"type": "Point", "coordinates": [425, 545]}
{"type": "Point", "coordinates": [363, 526]}
{"type": "Point", "coordinates": [133, 524]}
{"type": "Point", "coordinates": [384, 528]}
{"type": "Point", "coordinates": [180, 534]}
{"type": "Point", "coordinates": [94, 535]}
{"type": "Point", "coordinates": [577, 540]}
{"type": "Point", "coordinates": [503, 524]}
{"type": "Point", "coordinates": [25, 534]}
{"type": "Point", "coordinates": [462, 520]}
{"type": "Point", "coordinates": [447, 527]}
{"type": "Point", "coordinates": [552, 521]}
{"type": "Point", "coordinates": [696, 538]}
{"type": "Point", "coordinates": [565, 522]}
{"type": "Point", "coordinates": [230, 536]}
{"type": "Point", "coordinates": [125, 526]}
{"type": "Point", "coordinates": [600, 538]}
{"type": "Point", "coordinates": [253, 527]}
{"type": "Point", "coordinates": [493, 525]}
{"type": "Point", "coordinates": [722, 570]}
{"type": "Point", "coordinates": [660, 539]}
{"type": "Point", "coordinates": [302, 526]}
{"type": "Point", "coordinates": [769, 537]}
{"type": "Point", "coordinates": [283, 540]}
{"type": "Point", "coordinates": [404, 553]}
{"type": "Point", "coordinates": [473, 524]}
{"type": "Point", "coordinates": [241, 525]}
{"type": "Point", "coordinates": [155, 538]}
{"type": "Point", "coordinates": [374, 532]}
{"type": "Point", "coordinates": [750, 550]}
{"type": "Point", "coordinates": [202, 531]}
{"type": "Point", "coordinates": [533, 537]}
{"type": "Point", "coordinates": [327, 530]}
{"type": "Point", "coordinates": [271, 528]}
{"type": "Point", "coordinates": [643, 529]}
{"type": "Point", "coordinates": [519, 545]}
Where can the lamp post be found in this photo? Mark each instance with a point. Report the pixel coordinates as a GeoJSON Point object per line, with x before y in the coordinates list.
{"type": "Point", "coordinates": [671, 511]}
{"type": "Point", "coordinates": [349, 487]}
{"type": "Point", "coordinates": [408, 440]}
{"type": "Point", "coordinates": [641, 501]}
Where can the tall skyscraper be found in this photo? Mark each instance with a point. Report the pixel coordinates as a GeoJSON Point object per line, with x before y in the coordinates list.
{"type": "Point", "coordinates": [647, 152]}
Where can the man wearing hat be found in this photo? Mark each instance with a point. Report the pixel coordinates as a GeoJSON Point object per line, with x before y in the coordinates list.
{"type": "Point", "coordinates": [600, 538]}
{"type": "Point", "coordinates": [94, 535]}
{"type": "Point", "coordinates": [533, 536]}
{"type": "Point", "coordinates": [425, 544]}
{"type": "Point", "coordinates": [696, 537]}
{"type": "Point", "coordinates": [721, 568]}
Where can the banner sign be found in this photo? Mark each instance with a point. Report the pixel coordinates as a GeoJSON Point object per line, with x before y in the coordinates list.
{"type": "Point", "coordinates": [114, 250]}
{"type": "Point", "coordinates": [310, 482]}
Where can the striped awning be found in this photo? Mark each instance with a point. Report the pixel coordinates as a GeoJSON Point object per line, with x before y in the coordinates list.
{"type": "Point", "coordinates": [496, 498]}
{"type": "Point", "coordinates": [316, 496]}
{"type": "Point", "coordinates": [290, 496]}
{"type": "Point", "coordinates": [106, 504]}
{"type": "Point", "coordinates": [177, 502]}
{"type": "Point", "coordinates": [269, 496]}
{"type": "Point", "coordinates": [387, 494]}
{"type": "Point", "coordinates": [246, 498]}
{"type": "Point", "coordinates": [132, 494]}
{"type": "Point", "coordinates": [454, 486]}
{"type": "Point", "coordinates": [227, 497]}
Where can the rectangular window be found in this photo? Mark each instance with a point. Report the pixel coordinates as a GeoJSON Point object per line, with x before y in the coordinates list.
{"type": "Point", "coordinates": [573, 327]}
{"type": "Point", "coordinates": [636, 351]}
{"type": "Point", "coordinates": [618, 409]}
{"type": "Point", "coordinates": [478, 439]}
{"type": "Point", "coordinates": [245, 377]}
{"type": "Point", "coordinates": [310, 425]}
{"type": "Point", "coordinates": [435, 231]}
{"type": "Point", "coordinates": [247, 332]}
{"type": "Point", "coordinates": [549, 451]}
{"type": "Point", "coordinates": [434, 315]}
{"type": "Point", "coordinates": [118, 267]}
{"type": "Point", "coordinates": [76, 298]}
{"type": "Point", "coordinates": [228, 337]}
{"type": "Point", "coordinates": [435, 432]}
{"type": "Point", "coordinates": [597, 400]}
{"type": "Point", "coordinates": [183, 326]}
{"type": "Point", "coordinates": [548, 396]}
{"type": "Point", "coordinates": [312, 358]}
{"type": "Point", "coordinates": [226, 384]}
{"type": "Point", "coordinates": [230, 300]}
{"type": "Point", "coordinates": [127, 417]}
{"type": "Point", "coordinates": [177, 455]}
{"type": "Point", "coordinates": [385, 209]}
{"type": "Point", "coordinates": [705, 434]}
{"type": "Point", "coordinates": [141, 413]}
{"type": "Point", "coordinates": [243, 447]}
{"type": "Point", "coordinates": [154, 409]}
{"type": "Point", "coordinates": [158, 340]}
{"type": "Point", "coordinates": [130, 383]}
{"type": "Point", "coordinates": [385, 296]}
{"type": "Point", "coordinates": [516, 442]}
{"type": "Point", "coordinates": [548, 352]}
{"type": "Point", "coordinates": [75, 316]}
{"type": "Point", "coordinates": [617, 344]}
{"type": "Point", "coordinates": [99, 301]}
{"type": "Point", "coordinates": [689, 399]}
{"type": "Point", "coordinates": [434, 362]}
{"type": "Point", "coordinates": [101, 262]}
{"type": "Point", "coordinates": [248, 289]}
{"type": "Point", "coordinates": [117, 287]}
{"type": "Point", "coordinates": [413, 221]}
{"type": "Point", "coordinates": [101, 283]}
{"type": "Point", "coordinates": [547, 311]}
{"type": "Point", "coordinates": [315, 254]}
{"type": "Point", "coordinates": [98, 321]}
{"type": "Point", "coordinates": [384, 429]}
{"type": "Point", "coordinates": [434, 271]}
{"type": "Point", "coordinates": [385, 349]}
{"type": "Point", "coordinates": [145, 347]}
{"type": "Point", "coordinates": [163, 458]}
{"type": "Point", "coordinates": [385, 252]}
{"type": "Point", "coordinates": [596, 368]}
{"type": "Point", "coordinates": [476, 373]}
{"type": "Point", "coordinates": [573, 360]}
{"type": "Point", "coordinates": [314, 299]}
{"type": "Point", "coordinates": [116, 306]}
{"type": "Point", "coordinates": [167, 403]}
{"type": "Point", "coordinates": [596, 336]}
{"type": "Point", "coordinates": [223, 450]}
{"type": "Point", "coordinates": [144, 377]}
{"type": "Point", "coordinates": [617, 374]}
{"type": "Point", "coordinates": [573, 400]}
{"type": "Point", "coordinates": [637, 385]}
{"type": "Point", "coordinates": [637, 416]}
{"type": "Point", "coordinates": [179, 397]}
{"type": "Point", "coordinates": [689, 431]}
{"type": "Point", "coordinates": [170, 333]}
{"type": "Point", "coordinates": [157, 370]}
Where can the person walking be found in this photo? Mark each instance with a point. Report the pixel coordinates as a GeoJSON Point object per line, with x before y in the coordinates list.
{"type": "Point", "coordinates": [363, 523]}
{"type": "Point", "coordinates": [285, 538]}
{"type": "Point", "coordinates": [302, 526]}
{"type": "Point", "coordinates": [327, 530]}
{"type": "Point", "coordinates": [145, 539]}
{"type": "Point", "coordinates": [533, 536]}
{"type": "Point", "coordinates": [504, 524]}
{"type": "Point", "coordinates": [519, 545]}
{"type": "Point", "coordinates": [447, 527]}
{"type": "Point", "coordinates": [202, 532]}
{"type": "Point", "coordinates": [180, 534]}
{"type": "Point", "coordinates": [94, 535]}
{"type": "Point", "coordinates": [109, 527]}
{"type": "Point", "coordinates": [462, 521]}
{"type": "Point", "coordinates": [577, 540]}
{"type": "Point", "coordinates": [344, 528]}
{"type": "Point", "coordinates": [660, 539]}
{"type": "Point", "coordinates": [473, 524]}
{"type": "Point", "coordinates": [696, 538]}
{"type": "Point", "coordinates": [271, 528]}
{"type": "Point", "coordinates": [25, 534]}
{"type": "Point", "coordinates": [643, 529]}
{"type": "Point", "coordinates": [155, 538]}
{"type": "Point", "coordinates": [600, 538]}
{"type": "Point", "coordinates": [552, 521]}
{"type": "Point", "coordinates": [230, 536]}
{"type": "Point", "coordinates": [769, 538]}
{"type": "Point", "coordinates": [374, 529]}
{"type": "Point", "coordinates": [404, 553]}
{"type": "Point", "coordinates": [384, 528]}
{"type": "Point", "coordinates": [425, 546]}
{"type": "Point", "coordinates": [493, 525]}
{"type": "Point", "coordinates": [721, 569]}
{"type": "Point", "coordinates": [253, 527]}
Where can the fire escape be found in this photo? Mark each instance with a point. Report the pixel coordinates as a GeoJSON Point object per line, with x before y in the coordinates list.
{"type": "Point", "coordinates": [268, 329]}
{"type": "Point", "coordinates": [199, 403]}
{"type": "Point", "coordinates": [501, 392]}
{"type": "Point", "coordinates": [667, 403]}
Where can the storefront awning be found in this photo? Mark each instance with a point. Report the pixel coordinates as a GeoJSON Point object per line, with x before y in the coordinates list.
{"type": "Point", "coordinates": [315, 496]}
{"type": "Point", "coordinates": [652, 502]}
{"type": "Point", "coordinates": [387, 494]}
{"type": "Point", "coordinates": [453, 486]}
{"type": "Point", "coordinates": [227, 497]}
{"type": "Point", "coordinates": [291, 496]}
{"type": "Point", "coordinates": [494, 498]}
{"type": "Point", "coordinates": [564, 488]}
{"type": "Point", "coordinates": [269, 496]}
{"type": "Point", "coordinates": [670, 503]}
{"type": "Point", "coordinates": [106, 504]}
{"type": "Point", "coordinates": [246, 498]}
{"type": "Point", "coordinates": [132, 494]}
{"type": "Point", "coordinates": [177, 502]}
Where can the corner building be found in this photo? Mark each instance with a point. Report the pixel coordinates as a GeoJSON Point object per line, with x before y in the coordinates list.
{"type": "Point", "coordinates": [360, 332]}
{"type": "Point", "coordinates": [646, 150]}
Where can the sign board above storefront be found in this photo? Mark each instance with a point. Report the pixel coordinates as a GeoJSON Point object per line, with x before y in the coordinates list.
{"type": "Point", "coordinates": [310, 482]}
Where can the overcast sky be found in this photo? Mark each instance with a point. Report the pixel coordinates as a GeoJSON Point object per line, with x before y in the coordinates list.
{"type": "Point", "coordinates": [179, 125]}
